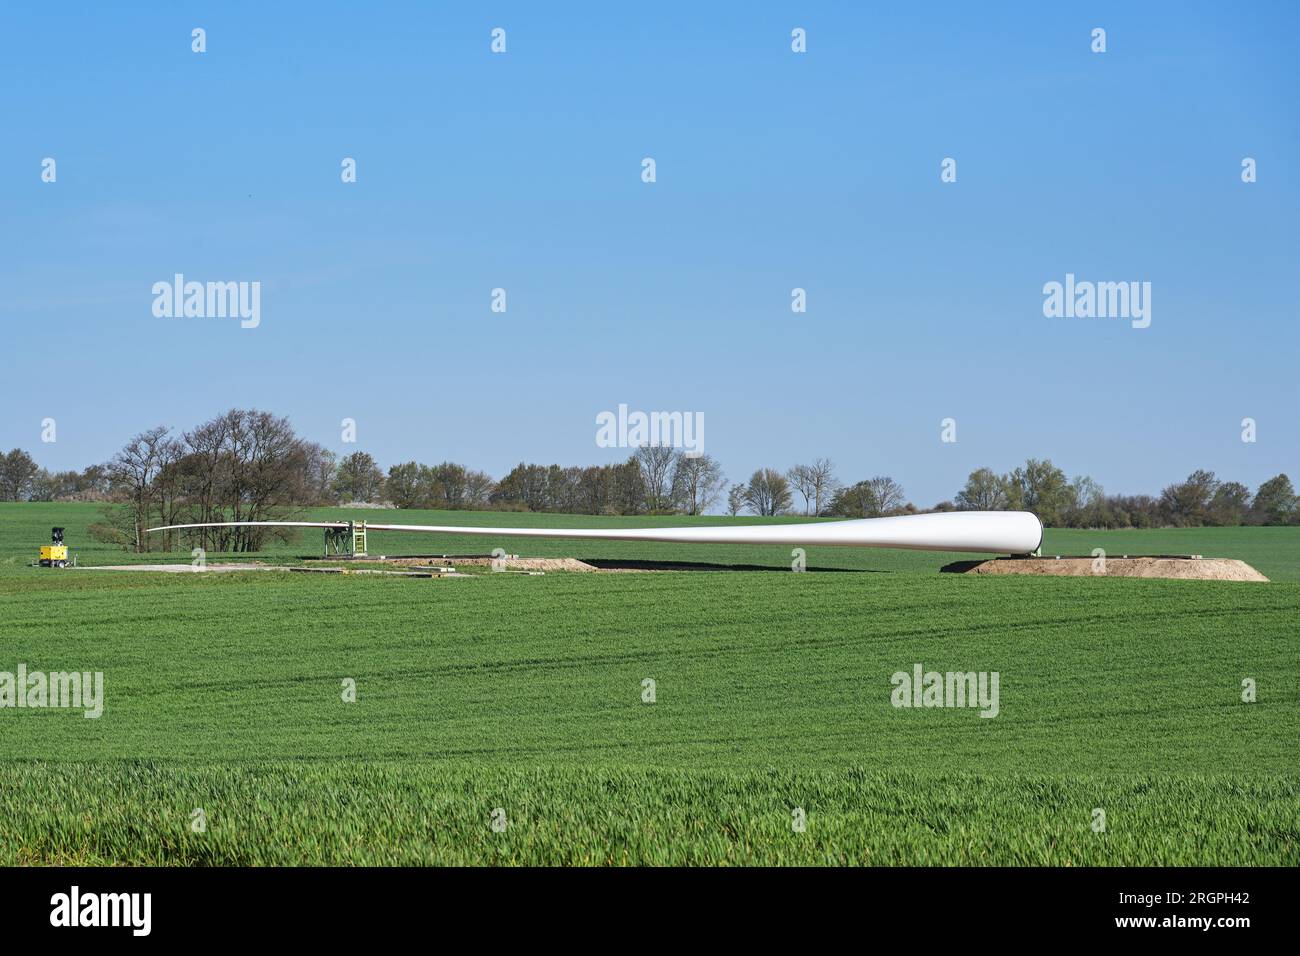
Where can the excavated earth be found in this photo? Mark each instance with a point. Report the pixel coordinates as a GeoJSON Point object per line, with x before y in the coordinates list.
{"type": "Point", "coordinates": [510, 564]}
{"type": "Point", "coordinates": [1185, 568]}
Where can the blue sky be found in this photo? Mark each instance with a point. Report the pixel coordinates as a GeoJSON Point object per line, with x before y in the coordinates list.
{"type": "Point", "coordinates": [775, 170]}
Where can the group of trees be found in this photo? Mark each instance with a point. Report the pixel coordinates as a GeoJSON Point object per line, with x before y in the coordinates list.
{"type": "Point", "coordinates": [771, 492]}
{"type": "Point", "coordinates": [1205, 500]}
{"type": "Point", "coordinates": [449, 485]}
{"type": "Point", "coordinates": [248, 465]}
{"type": "Point", "coordinates": [1202, 499]}
{"type": "Point", "coordinates": [655, 480]}
{"type": "Point", "coordinates": [21, 479]}
{"type": "Point", "coordinates": [874, 498]}
{"type": "Point", "coordinates": [244, 465]}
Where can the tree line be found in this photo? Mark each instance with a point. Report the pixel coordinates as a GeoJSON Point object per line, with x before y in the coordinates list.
{"type": "Point", "coordinates": [250, 465]}
{"type": "Point", "coordinates": [1200, 500]}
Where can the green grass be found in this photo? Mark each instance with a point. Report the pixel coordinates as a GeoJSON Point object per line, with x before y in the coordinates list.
{"type": "Point", "coordinates": [384, 813]}
{"type": "Point", "coordinates": [223, 692]}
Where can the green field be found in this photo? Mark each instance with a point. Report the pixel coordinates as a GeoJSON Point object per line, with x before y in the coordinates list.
{"type": "Point", "coordinates": [222, 692]}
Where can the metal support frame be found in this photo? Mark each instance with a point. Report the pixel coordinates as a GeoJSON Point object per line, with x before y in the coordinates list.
{"type": "Point", "coordinates": [338, 541]}
{"type": "Point", "coordinates": [348, 542]}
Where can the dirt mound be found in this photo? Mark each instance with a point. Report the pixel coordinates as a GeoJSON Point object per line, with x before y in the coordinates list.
{"type": "Point", "coordinates": [600, 565]}
{"type": "Point", "coordinates": [1192, 569]}
{"type": "Point", "coordinates": [511, 564]}
{"type": "Point", "coordinates": [534, 564]}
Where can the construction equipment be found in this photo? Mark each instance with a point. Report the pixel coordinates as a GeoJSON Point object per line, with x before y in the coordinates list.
{"type": "Point", "coordinates": [55, 554]}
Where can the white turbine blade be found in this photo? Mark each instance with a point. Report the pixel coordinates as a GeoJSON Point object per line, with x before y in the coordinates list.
{"type": "Point", "coordinates": [254, 524]}
{"type": "Point", "coordinates": [1007, 532]}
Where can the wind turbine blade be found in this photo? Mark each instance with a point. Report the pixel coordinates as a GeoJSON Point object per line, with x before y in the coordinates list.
{"type": "Point", "coordinates": [1006, 532]}
{"type": "Point", "coordinates": [253, 524]}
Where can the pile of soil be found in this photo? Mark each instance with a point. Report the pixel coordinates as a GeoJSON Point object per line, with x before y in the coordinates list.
{"type": "Point", "coordinates": [1193, 569]}
{"type": "Point", "coordinates": [511, 564]}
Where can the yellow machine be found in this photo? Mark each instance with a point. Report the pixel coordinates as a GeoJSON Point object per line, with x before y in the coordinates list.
{"type": "Point", "coordinates": [55, 554]}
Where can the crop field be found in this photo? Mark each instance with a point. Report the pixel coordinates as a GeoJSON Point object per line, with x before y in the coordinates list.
{"type": "Point", "coordinates": [505, 719]}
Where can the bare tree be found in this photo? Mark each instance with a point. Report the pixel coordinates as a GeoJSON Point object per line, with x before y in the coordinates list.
{"type": "Point", "coordinates": [824, 483]}
{"type": "Point", "coordinates": [244, 465]}
{"type": "Point", "coordinates": [698, 483]}
{"type": "Point", "coordinates": [209, 474]}
{"type": "Point", "coordinates": [735, 500]}
{"type": "Point", "coordinates": [135, 470]}
{"type": "Point", "coordinates": [801, 477]}
{"type": "Point", "coordinates": [656, 463]}
{"type": "Point", "coordinates": [888, 494]}
{"type": "Point", "coordinates": [271, 473]}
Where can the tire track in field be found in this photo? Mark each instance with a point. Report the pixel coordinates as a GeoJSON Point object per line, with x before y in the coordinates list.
{"type": "Point", "coordinates": [747, 650]}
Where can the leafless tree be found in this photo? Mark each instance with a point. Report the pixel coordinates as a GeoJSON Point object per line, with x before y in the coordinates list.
{"type": "Point", "coordinates": [821, 474]}
{"type": "Point", "coordinates": [209, 475]}
{"type": "Point", "coordinates": [135, 472]}
{"type": "Point", "coordinates": [801, 477]}
{"type": "Point", "coordinates": [656, 463]}
{"type": "Point", "coordinates": [698, 483]}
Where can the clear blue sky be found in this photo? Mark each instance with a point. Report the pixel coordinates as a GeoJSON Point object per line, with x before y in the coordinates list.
{"type": "Point", "coordinates": [775, 170]}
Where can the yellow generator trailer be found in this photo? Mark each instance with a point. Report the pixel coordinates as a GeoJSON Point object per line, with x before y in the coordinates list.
{"type": "Point", "coordinates": [55, 554]}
